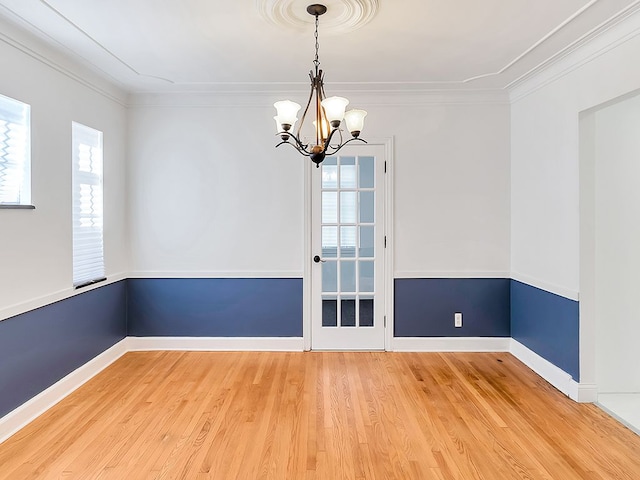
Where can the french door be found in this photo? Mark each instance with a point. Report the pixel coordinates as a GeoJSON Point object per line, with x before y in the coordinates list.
{"type": "Point", "coordinates": [348, 247]}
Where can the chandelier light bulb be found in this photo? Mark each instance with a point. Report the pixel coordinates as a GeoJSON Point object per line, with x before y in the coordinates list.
{"type": "Point", "coordinates": [324, 131]}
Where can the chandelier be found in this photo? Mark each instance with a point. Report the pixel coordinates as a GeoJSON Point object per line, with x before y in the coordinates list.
{"type": "Point", "coordinates": [329, 114]}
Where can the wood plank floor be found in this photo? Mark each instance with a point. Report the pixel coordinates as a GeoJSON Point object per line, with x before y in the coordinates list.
{"type": "Point", "coordinates": [201, 415]}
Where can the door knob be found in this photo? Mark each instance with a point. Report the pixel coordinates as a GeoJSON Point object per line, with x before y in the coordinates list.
{"type": "Point", "coordinates": [317, 259]}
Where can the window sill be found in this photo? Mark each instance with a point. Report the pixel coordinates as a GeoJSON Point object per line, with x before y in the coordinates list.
{"type": "Point", "coordinates": [9, 206]}
{"type": "Point", "coordinates": [89, 283]}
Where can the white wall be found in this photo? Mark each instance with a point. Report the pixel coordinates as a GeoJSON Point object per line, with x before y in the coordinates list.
{"type": "Point", "coordinates": [35, 245]}
{"type": "Point", "coordinates": [545, 164]}
{"type": "Point", "coordinates": [451, 202]}
{"type": "Point", "coordinates": [617, 238]}
{"type": "Point", "coordinates": [209, 194]}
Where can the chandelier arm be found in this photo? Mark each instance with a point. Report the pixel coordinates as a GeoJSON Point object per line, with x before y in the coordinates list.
{"type": "Point", "coordinates": [341, 138]}
{"type": "Point", "coordinates": [339, 147]}
{"type": "Point", "coordinates": [301, 147]}
{"type": "Point", "coordinates": [301, 151]}
{"type": "Point", "coordinates": [327, 143]}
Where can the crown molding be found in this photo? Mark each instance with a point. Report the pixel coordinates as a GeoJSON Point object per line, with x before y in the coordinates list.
{"type": "Point", "coordinates": [615, 31]}
{"type": "Point", "coordinates": [29, 39]}
{"type": "Point", "coordinates": [42, 52]}
{"type": "Point", "coordinates": [378, 98]}
{"type": "Point", "coordinates": [347, 15]}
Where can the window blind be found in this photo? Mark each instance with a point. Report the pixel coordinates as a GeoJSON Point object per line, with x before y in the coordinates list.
{"type": "Point", "coordinates": [88, 251]}
{"type": "Point", "coordinates": [15, 152]}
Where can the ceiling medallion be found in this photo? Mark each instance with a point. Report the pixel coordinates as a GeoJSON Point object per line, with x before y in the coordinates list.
{"type": "Point", "coordinates": [343, 16]}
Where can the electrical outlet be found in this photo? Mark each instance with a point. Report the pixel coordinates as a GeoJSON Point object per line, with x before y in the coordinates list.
{"type": "Point", "coordinates": [457, 320]}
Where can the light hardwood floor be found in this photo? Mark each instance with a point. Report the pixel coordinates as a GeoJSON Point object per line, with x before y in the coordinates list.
{"type": "Point", "coordinates": [198, 415]}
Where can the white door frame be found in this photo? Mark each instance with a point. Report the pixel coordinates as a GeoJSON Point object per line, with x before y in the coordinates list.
{"type": "Point", "coordinates": [388, 144]}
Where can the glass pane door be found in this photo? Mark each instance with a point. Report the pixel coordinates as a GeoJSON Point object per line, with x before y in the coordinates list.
{"type": "Point", "coordinates": [351, 242]}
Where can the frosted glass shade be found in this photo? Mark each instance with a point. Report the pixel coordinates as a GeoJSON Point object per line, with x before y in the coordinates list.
{"type": "Point", "coordinates": [279, 128]}
{"type": "Point", "coordinates": [287, 111]}
{"type": "Point", "coordinates": [334, 109]}
{"type": "Point", "coordinates": [355, 121]}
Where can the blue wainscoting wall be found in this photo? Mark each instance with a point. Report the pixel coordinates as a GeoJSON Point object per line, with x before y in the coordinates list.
{"type": "Point", "coordinates": [40, 347]}
{"type": "Point", "coordinates": [548, 324]}
{"type": "Point", "coordinates": [215, 307]}
{"type": "Point", "coordinates": [424, 307]}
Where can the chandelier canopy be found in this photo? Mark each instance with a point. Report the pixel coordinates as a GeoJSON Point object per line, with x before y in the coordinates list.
{"type": "Point", "coordinates": [329, 114]}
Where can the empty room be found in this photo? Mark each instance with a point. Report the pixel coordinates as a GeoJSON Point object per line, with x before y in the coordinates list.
{"type": "Point", "coordinates": [362, 239]}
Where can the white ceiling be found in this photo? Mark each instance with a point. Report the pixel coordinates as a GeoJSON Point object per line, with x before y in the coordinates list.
{"type": "Point", "coordinates": [214, 45]}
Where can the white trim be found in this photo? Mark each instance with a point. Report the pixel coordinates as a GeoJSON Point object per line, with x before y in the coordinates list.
{"type": "Point", "coordinates": [389, 222]}
{"type": "Point", "coordinates": [43, 301]}
{"type": "Point", "coordinates": [215, 274]}
{"type": "Point", "coordinates": [584, 393]}
{"type": "Point", "coordinates": [33, 408]}
{"type": "Point", "coordinates": [217, 344]}
{"type": "Point", "coordinates": [547, 370]}
{"type": "Point", "coordinates": [546, 286]}
{"type": "Point", "coordinates": [608, 35]}
{"type": "Point", "coordinates": [557, 29]}
{"type": "Point", "coordinates": [451, 344]}
{"type": "Point", "coordinates": [437, 274]}
{"type": "Point", "coordinates": [307, 292]}
{"type": "Point", "coordinates": [623, 421]}
{"type": "Point", "coordinates": [49, 54]}
{"type": "Point", "coordinates": [382, 95]}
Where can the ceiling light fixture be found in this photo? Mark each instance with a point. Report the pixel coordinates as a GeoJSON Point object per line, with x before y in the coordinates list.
{"type": "Point", "coordinates": [330, 112]}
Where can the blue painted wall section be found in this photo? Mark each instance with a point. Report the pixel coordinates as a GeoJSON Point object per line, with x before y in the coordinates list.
{"type": "Point", "coordinates": [548, 324]}
{"type": "Point", "coordinates": [40, 347]}
{"type": "Point", "coordinates": [215, 307]}
{"type": "Point", "coordinates": [424, 307]}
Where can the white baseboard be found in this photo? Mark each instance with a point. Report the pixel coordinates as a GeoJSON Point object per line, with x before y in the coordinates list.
{"type": "Point", "coordinates": [547, 370]}
{"type": "Point", "coordinates": [223, 344]}
{"type": "Point", "coordinates": [451, 344]}
{"type": "Point", "coordinates": [583, 392]}
{"type": "Point", "coordinates": [579, 392]}
{"type": "Point", "coordinates": [33, 408]}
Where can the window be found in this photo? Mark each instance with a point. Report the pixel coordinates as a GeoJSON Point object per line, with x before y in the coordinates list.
{"type": "Point", "coordinates": [88, 252]}
{"type": "Point", "coordinates": [15, 152]}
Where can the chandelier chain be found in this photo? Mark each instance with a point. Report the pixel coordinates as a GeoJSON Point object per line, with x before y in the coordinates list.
{"type": "Point", "coordinates": [316, 61]}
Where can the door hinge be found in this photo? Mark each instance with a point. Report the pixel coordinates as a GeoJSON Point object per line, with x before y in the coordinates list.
{"type": "Point", "coordinates": [385, 166]}
{"type": "Point", "coordinates": [385, 321]}
{"type": "Point", "coordinates": [385, 241]}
